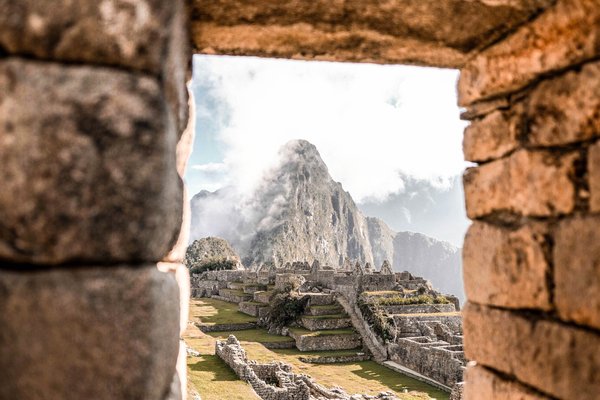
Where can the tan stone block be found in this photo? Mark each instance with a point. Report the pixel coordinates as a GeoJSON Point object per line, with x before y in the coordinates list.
{"type": "Point", "coordinates": [577, 270]}
{"type": "Point", "coordinates": [392, 31]}
{"type": "Point", "coordinates": [565, 109]}
{"type": "Point", "coordinates": [594, 176]}
{"type": "Point", "coordinates": [530, 183]}
{"type": "Point", "coordinates": [505, 267]}
{"type": "Point", "coordinates": [88, 333]}
{"type": "Point", "coordinates": [491, 137]}
{"type": "Point", "coordinates": [88, 165]}
{"type": "Point", "coordinates": [554, 358]}
{"type": "Point", "coordinates": [482, 384]}
{"type": "Point", "coordinates": [111, 32]}
{"type": "Point", "coordinates": [565, 34]}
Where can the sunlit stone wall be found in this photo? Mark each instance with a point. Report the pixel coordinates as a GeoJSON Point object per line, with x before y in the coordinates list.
{"type": "Point", "coordinates": [532, 255]}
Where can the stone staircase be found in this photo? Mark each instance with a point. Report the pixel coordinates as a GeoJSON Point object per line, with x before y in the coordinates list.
{"type": "Point", "coordinates": [325, 326]}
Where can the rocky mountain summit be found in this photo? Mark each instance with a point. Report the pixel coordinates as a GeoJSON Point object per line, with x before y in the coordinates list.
{"type": "Point", "coordinates": [209, 251]}
{"type": "Point", "coordinates": [298, 212]}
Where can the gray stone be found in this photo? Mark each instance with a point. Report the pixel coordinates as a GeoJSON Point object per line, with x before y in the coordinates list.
{"type": "Point", "coordinates": [110, 32]}
{"type": "Point", "coordinates": [88, 333]}
{"type": "Point", "coordinates": [89, 171]}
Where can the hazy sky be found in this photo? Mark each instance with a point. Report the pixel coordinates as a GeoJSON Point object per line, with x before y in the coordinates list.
{"type": "Point", "coordinates": [384, 132]}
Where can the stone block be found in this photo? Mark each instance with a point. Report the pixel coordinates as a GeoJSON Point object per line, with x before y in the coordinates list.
{"type": "Point", "coordinates": [88, 165]}
{"type": "Point", "coordinates": [554, 358]}
{"type": "Point", "coordinates": [92, 332]}
{"type": "Point", "coordinates": [577, 270]}
{"type": "Point", "coordinates": [565, 34]}
{"type": "Point", "coordinates": [558, 111]}
{"type": "Point", "coordinates": [129, 34]}
{"type": "Point", "coordinates": [491, 137]}
{"type": "Point", "coordinates": [507, 268]}
{"type": "Point", "coordinates": [481, 383]}
{"type": "Point", "coordinates": [594, 176]}
{"type": "Point", "coordinates": [565, 109]}
{"type": "Point", "coordinates": [399, 31]}
{"type": "Point", "coordinates": [529, 183]}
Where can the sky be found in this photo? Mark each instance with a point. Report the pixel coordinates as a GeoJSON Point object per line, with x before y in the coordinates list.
{"type": "Point", "coordinates": [390, 134]}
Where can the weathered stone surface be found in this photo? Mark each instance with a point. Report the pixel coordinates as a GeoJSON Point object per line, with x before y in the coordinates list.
{"type": "Point", "coordinates": [565, 34]}
{"type": "Point", "coordinates": [565, 109]}
{"type": "Point", "coordinates": [506, 268]}
{"type": "Point", "coordinates": [492, 137]}
{"type": "Point", "coordinates": [594, 176]}
{"type": "Point", "coordinates": [556, 112]}
{"type": "Point", "coordinates": [114, 32]}
{"type": "Point", "coordinates": [577, 270]}
{"type": "Point", "coordinates": [88, 165]}
{"type": "Point", "coordinates": [552, 357]}
{"type": "Point", "coordinates": [391, 31]}
{"type": "Point", "coordinates": [88, 333]}
{"type": "Point", "coordinates": [481, 383]}
{"type": "Point", "coordinates": [530, 183]}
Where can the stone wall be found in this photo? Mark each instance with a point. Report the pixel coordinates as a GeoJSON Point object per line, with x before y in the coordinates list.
{"type": "Point", "coordinates": [276, 381]}
{"type": "Point", "coordinates": [93, 104]}
{"type": "Point", "coordinates": [531, 256]}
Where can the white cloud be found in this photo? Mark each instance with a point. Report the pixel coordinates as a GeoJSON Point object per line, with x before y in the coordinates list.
{"type": "Point", "coordinates": [370, 123]}
{"type": "Point", "coordinates": [210, 167]}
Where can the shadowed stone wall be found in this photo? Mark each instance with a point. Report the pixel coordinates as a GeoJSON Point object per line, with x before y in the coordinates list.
{"type": "Point", "coordinates": [93, 104]}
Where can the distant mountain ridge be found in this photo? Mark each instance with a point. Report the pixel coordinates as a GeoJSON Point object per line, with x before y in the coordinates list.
{"type": "Point", "coordinates": [298, 212]}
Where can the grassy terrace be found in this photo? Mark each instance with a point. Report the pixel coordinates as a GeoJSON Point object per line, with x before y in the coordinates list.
{"type": "Point", "coordinates": [214, 312]}
{"type": "Point", "coordinates": [306, 332]}
{"type": "Point", "coordinates": [214, 380]}
{"type": "Point", "coordinates": [328, 316]}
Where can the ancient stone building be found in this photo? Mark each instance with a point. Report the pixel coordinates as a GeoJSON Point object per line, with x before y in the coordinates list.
{"type": "Point", "coordinates": [93, 106]}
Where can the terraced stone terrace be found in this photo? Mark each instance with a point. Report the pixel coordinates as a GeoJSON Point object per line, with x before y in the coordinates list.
{"type": "Point", "coordinates": [214, 380]}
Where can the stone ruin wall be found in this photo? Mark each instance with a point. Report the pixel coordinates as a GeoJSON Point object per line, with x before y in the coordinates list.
{"type": "Point", "coordinates": [90, 188]}
{"type": "Point", "coordinates": [276, 381]}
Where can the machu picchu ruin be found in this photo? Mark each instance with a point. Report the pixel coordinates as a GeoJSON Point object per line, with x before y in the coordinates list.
{"type": "Point", "coordinates": [395, 319]}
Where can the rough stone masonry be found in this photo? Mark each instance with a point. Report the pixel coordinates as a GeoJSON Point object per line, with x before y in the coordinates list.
{"type": "Point", "coordinates": [92, 105]}
{"type": "Point", "coordinates": [89, 181]}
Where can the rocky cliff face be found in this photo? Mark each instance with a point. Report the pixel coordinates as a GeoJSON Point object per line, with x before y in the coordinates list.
{"type": "Point", "coordinates": [299, 212]}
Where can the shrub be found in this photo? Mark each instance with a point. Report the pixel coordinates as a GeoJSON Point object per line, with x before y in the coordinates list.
{"type": "Point", "coordinates": [213, 265]}
{"type": "Point", "coordinates": [285, 309]}
{"type": "Point", "coordinates": [420, 299]}
{"type": "Point", "coordinates": [377, 319]}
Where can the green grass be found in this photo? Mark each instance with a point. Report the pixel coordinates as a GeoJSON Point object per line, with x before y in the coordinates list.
{"type": "Point", "coordinates": [306, 332]}
{"type": "Point", "coordinates": [235, 292]}
{"type": "Point", "coordinates": [327, 307]}
{"type": "Point", "coordinates": [215, 312]}
{"type": "Point", "coordinates": [421, 299]}
{"type": "Point", "coordinates": [214, 380]}
{"type": "Point", "coordinates": [328, 316]}
{"type": "Point", "coordinates": [252, 335]}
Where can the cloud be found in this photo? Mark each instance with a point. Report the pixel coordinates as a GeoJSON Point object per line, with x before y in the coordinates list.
{"type": "Point", "coordinates": [210, 167]}
{"type": "Point", "coordinates": [372, 124]}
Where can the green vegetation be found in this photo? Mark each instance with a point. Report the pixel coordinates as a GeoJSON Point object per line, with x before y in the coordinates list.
{"type": "Point", "coordinates": [286, 308]}
{"type": "Point", "coordinates": [213, 265]}
{"type": "Point", "coordinates": [420, 299]}
{"type": "Point", "coordinates": [328, 316]}
{"type": "Point", "coordinates": [214, 380]}
{"type": "Point", "coordinates": [216, 312]}
{"type": "Point", "coordinates": [306, 332]}
{"type": "Point", "coordinates": [327, 307]}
